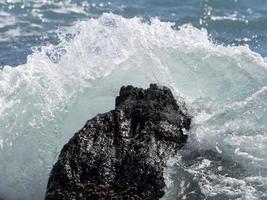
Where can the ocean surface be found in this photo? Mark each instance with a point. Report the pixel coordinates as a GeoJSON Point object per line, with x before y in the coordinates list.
{"type": "Point", "coordinates": [62, 62]}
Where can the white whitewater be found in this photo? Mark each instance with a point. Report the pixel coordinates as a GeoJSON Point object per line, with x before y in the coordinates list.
{"type": "Point", "coordinates": [43, 102]}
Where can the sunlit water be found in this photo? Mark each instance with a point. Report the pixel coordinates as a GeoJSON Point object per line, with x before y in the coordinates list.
{"type": "Point", "coordinates": [64, 76]}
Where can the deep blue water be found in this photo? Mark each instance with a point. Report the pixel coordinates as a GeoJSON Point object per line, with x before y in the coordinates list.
{"type": "Point", "coordinates": [28, 24]}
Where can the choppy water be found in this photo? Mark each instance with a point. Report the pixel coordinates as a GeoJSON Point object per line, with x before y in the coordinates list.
{"type": "Point", "coordinates": [67, 67]}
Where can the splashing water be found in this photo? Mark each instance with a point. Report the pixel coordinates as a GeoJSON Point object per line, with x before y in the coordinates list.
{"type": "Point", "coordinates": [43, 102]}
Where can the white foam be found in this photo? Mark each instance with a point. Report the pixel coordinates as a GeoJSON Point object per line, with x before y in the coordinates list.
{"type": "Point", "coordinates": [46, 100]}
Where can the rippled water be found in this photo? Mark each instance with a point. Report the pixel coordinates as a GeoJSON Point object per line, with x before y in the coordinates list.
{"type": "Point", "coordinates": [25, 24]}
{"type": "Point", "coordinates": [64, 61]}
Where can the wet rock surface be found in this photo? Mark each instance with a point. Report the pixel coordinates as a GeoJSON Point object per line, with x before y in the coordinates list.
{"type": "Point", "coordinates": [121, 154]}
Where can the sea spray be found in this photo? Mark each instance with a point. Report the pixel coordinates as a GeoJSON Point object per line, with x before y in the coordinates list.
{"type": "Point", "coordinates": [46, 100]}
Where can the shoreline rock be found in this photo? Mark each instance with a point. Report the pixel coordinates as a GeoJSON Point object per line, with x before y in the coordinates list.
{"type": "Point", "coordinates": [121, 154]}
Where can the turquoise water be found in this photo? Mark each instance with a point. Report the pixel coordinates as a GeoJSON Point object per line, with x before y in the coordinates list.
{"type": "Point", "coordinates": [62, 62]}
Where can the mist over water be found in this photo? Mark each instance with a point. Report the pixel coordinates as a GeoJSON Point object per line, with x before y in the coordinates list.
{"type": "Point", "coordinates": [65, 82]}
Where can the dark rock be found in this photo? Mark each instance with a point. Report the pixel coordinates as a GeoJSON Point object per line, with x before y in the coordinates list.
{"type": "Point", "coordinates": [121, 154]}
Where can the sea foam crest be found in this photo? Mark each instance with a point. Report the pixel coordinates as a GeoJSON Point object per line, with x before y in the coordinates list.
{"type": "Point", "coordinates": [46, 100]}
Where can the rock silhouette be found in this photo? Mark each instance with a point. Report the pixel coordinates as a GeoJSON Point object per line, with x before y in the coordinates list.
{"type": "Point", "coordinates": [121, 154]}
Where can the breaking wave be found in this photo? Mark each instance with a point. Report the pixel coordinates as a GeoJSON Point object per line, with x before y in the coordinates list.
{"type": "Point", "coordinates": [46, 100]}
